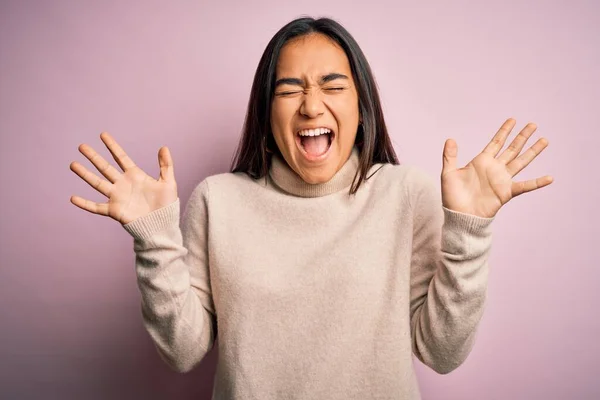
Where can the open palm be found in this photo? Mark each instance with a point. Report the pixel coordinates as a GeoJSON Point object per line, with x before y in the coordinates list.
{"type": "Point", "coordinates": [485, 184]}
{"type": "Point", "coordinates": [131, 194]}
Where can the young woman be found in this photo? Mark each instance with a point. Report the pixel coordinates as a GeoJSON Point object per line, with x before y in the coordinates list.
{"type": "Point", "coordinates": [320, 264]}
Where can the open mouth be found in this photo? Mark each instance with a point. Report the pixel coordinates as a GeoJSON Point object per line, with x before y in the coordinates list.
{"type": "Point", "coordinates": [315, 143]}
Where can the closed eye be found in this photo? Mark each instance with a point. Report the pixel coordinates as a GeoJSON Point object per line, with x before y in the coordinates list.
{"type": "Point", "coordinates": [287, 93]}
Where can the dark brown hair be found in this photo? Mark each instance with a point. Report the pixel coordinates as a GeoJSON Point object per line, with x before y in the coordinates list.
{"type": "Point", "coordinates": [372, 137]}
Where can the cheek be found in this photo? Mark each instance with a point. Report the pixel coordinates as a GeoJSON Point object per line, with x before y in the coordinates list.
{"type": "Point", "coordinates": [345, 112]}
{"type": "Point", "coordinates": [282, 115]}
{"type": "Point", "coordinates": [281, 121]}
{"type": "Point", "coordinates": [276, 118]}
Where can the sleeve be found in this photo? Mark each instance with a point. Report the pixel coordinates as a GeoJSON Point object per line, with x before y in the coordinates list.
{"type": "Point", "coordinates": [173, 278]}
{"type": "Point", "coordinates": [449, 275]}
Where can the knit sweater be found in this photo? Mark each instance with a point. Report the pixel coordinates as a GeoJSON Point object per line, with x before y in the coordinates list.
{"type": "Point", "coordinates": [312, 292]}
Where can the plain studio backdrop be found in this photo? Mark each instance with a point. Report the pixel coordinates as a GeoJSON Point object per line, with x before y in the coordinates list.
{"type": "Point", "coordinates": [178, 73]}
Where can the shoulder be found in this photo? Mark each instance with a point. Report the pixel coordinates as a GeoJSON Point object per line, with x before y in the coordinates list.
{"type": "Point", "coordinates": [410, 177]}
{"type": "Point", "coordinates": [224, 184]}
{"type": "Point", "coordinates": [413, 181]}
{"type": "Point", "coordinates": [228, 180]}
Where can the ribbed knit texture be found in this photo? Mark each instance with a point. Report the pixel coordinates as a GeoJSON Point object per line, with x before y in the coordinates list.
{"type": "Point", "coordinates": [312, 292]}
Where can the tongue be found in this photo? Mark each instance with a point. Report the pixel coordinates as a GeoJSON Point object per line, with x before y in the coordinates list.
{"type": "Point", "coordinates": [315, 145]}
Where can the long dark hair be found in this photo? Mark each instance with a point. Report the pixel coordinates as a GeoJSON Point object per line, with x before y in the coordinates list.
{"type": "Point", "coordinates": [372, 137]}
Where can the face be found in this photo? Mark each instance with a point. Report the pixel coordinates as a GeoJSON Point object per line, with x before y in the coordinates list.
{"type": "Point", "coordinates": [314, 114]}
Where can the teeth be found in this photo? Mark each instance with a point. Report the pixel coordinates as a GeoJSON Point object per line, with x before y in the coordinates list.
{"type": "Point", "coordinates": [314, 132]}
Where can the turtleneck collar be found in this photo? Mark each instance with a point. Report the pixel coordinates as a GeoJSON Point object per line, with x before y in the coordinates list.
{"type": "Point", "coordinates": [287, 179]}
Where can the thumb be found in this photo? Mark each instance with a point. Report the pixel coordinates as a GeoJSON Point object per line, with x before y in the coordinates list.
{"type": "Point", "coordinates": [166, 164]}
{"type": "Point", "coordinates": [449, 156]}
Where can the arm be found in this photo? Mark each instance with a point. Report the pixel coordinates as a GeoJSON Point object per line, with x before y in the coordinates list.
{"type": "Point", "coordinates": [173, 279]}
{"type": "Point", "coordinates": [449, 274]}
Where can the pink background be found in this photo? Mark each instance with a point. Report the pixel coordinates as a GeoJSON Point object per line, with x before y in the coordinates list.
{"type": "Point", "coordinates": [154, 73]}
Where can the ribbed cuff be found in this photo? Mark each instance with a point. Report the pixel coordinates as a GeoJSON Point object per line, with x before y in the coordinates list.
{"type": "Point", "coordinates": [146, 226]}
{"type": "Point", "coordinates": [466, 223]}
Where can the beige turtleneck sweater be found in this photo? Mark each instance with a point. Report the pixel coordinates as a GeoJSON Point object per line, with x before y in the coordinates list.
{"type": "Point", "coordinates": [313, 293]}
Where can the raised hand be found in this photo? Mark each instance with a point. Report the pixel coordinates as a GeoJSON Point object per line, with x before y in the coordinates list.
{"type": "Point", "coordinates": [485, 184]}
{"type": "Point", "coordinates": [131, 194]}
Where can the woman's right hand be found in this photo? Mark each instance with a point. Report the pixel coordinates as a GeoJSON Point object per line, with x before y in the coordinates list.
{"type": "Point", "coordinates": [131, 194]}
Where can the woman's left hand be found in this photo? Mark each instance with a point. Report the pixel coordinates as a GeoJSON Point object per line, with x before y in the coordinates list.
{"type": "Point", "coordinates": [485, 184]}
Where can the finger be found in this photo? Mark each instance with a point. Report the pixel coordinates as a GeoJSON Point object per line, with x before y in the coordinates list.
{"type": "Point", "coordinates": [166, 164]}
{"type": "Point", "coordinates": [517, 144]}
{"type": "Point", "coordinates": [87, 205]}
{"type": "Point", "coordinates": [449, 156]}
{"type": "Point", "coordinates": [517, 165]}
{"type": "Point", "coordinates": [92, 179]}
{"type": "Point", "coordinates": [117, 152]}
{"type": "Point", "coordinates": [499, 138]}
{"type": "Point", "coordinates": [519, 188]}
{"type": "Point", "coordinates": [100, 163]}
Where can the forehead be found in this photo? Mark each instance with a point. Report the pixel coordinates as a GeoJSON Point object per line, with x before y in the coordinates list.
{"type": "Point", "coordinates": [312, 56]}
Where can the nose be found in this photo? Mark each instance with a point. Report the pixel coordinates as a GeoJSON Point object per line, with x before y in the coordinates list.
{"type": "Point", "coordinates": [312, 105]}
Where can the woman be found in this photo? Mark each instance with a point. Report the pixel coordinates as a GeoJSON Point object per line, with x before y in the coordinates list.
{"type": "Point", "coordinates": [320, 263]}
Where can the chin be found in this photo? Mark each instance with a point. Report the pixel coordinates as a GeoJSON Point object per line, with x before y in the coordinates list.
{"type": "Point", "coordinates": [315, 169]}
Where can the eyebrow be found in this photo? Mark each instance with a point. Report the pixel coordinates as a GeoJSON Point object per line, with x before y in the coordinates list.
{"type": "Point", "coordinates": [300, 82]}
